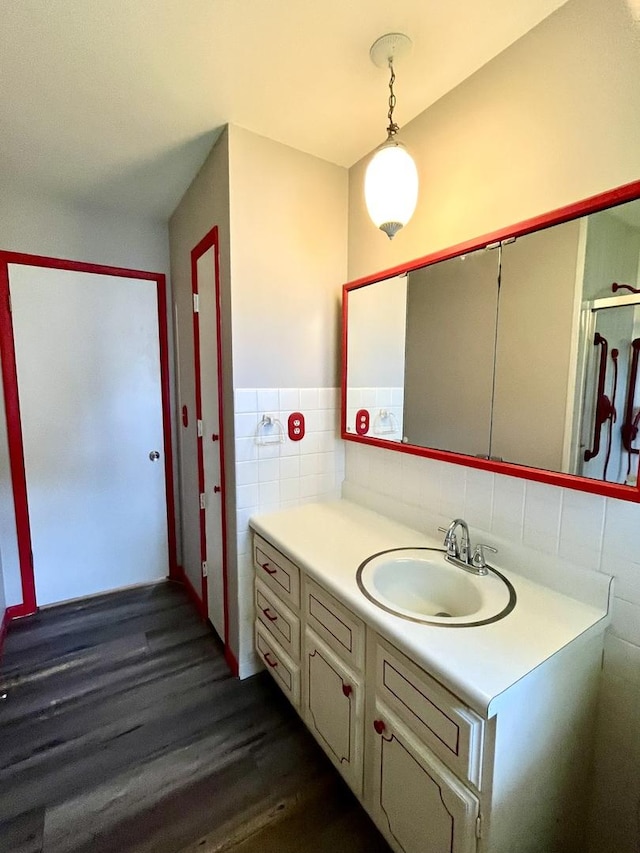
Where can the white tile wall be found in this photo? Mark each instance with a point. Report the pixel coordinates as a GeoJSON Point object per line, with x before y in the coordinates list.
{"type": "Point", "coordinates": [561, 537]}
{"type": "Point", "coordinates": [376, 401]}
{"type": "Point", "coordinates": [280, 475]}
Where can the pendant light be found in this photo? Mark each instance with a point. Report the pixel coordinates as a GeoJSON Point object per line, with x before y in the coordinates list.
{"type": "Point", "coordinates": [391, 179]}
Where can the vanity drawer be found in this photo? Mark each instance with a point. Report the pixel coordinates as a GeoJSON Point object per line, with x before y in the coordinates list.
{"type": "Point", "coordinates": [450, 729]}
{"type": "Point", "coordinates": [335, 624]}
{"type": "Point", "coordinates": [275, 570]}
{"type": "Point", "coordinates": [282, 668]}
{"type": "Point", "coordinates": [279, 621]}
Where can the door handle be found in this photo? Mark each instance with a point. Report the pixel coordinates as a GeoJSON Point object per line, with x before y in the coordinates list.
{"type": "Point", "coordinates": [154, 455]}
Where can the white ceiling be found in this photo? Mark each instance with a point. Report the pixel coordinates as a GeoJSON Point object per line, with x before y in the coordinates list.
{"type": "Point", "coordinates": [117, 102]}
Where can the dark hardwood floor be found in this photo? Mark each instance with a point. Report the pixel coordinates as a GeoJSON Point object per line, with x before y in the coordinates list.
{"type": "Point", "coordinates": [121, 729]}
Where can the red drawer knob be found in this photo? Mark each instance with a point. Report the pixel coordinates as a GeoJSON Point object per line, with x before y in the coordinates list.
{"type": "Point", "coordinates": [268, 569]}
{"type": "Point", "coordinates": [272, 663]}
{"type": "Point", "coordinates": [347, 689]}
{"type": "Point", "coordinates": [267, 613]}
{"type": "Point", "coordinates": [379, 726]}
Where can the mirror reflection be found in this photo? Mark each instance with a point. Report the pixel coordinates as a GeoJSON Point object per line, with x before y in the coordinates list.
{"type": "Point", "coordinates": [450, 339]}
{"type": "Point", "coordinates": [375, 359]}
{"type": "Point", "coordinates": [525, 352]}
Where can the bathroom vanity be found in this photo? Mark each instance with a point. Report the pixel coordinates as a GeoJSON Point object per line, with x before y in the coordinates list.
{"type": "Point", "coordinates": [465, 739]}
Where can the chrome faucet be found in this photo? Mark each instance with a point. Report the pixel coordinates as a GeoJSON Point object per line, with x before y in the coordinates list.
{"type": "Point", "coordinates": [461, 554]}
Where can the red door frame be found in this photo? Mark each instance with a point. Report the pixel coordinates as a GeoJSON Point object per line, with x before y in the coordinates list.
{"type": "Point", "coordinates": [12, 408]}
{"type": "Point", "coordinates": [211, 241]}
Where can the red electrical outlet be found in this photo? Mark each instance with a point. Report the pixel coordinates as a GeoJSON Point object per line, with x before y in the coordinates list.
{"type": "Point", "coordinates": [296, 426]}
{"type": "Point", "coordinates": [362, 421]}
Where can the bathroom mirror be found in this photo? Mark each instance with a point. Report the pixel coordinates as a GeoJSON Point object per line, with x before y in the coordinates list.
{"type": "Point", "coordinates": [517, 352]}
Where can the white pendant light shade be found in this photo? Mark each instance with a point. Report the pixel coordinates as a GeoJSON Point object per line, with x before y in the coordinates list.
{"type": "Point", "coordinates": [391, 187]}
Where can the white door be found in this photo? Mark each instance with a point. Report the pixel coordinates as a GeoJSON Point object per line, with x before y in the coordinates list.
{"type": "Point", "coordinates": [88, 375]}
{"type": "Point", "coordinates": [211, 444]}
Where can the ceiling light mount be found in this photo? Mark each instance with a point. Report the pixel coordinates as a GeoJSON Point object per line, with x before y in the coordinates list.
{"type": "Point", "coordinates": [389, 48]}
{"type": "Point", "coordinates": [391, 179]}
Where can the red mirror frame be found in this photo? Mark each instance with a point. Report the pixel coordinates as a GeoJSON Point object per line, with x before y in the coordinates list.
{"type": "Point", "coordinates": [612, 198]}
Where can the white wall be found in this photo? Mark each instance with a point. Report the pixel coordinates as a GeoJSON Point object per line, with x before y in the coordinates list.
{"type": "Point", "coordinates": [204, 205]}
{"type": "Point", "coordinates": [44, 225]}
{"type": "Point", "coordinates": [288, 263]}
{"type": "Point", "coordinates": [553, 119]}
{"type": "Point", "coordinates": [282, 217]}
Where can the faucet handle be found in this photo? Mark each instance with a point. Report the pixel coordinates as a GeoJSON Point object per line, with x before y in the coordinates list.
{"type": "Point", "coordinates": [478, 559]}
{"type": "Point", "coordinates": [451, 541]}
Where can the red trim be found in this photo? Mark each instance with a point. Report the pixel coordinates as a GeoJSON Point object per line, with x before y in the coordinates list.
{"type": "Point", "coordinates": [343, 365]}
{"type": "Point", "coordinates": [211, 240]}
{"type": "Point", "coordinates": [232, 663]}
{"type": "Point", "coordinates": [553, 478]}
{"type": "Point", "coordinates": [17, 611]}
{"type": "Point", "coordinates": [628, 192]}
{"type": "Point", "coordinates": [165, 384]}
{"type": "Point", "coordinates": [75, 266]}
{"type": "Point", "coordinates": [12, 408]}
{"type": "Point", "coordinates": [4, 624]}
{"type": "Point", "coordinates": [14, 441]}
{"type": "Point", "coordinates": [602, 201]}
{"type": "Point", "coordinates": [198, 603]}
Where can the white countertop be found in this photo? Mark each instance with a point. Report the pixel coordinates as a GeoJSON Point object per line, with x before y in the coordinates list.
{"type": "Point", "coordinates": [330, 540]}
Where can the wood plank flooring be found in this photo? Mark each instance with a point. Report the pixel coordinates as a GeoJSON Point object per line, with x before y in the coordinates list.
{"type": "Point", "coordinates": [121, 729]}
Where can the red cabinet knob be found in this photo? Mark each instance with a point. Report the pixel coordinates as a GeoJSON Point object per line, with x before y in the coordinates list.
{"type": "Point", "coordinates": [379, 726]}
{"type": "Point", "coordinates": [267, 613]}
{"type": "Point", "coordinates": [268, 569]}
{"type": "Point", "coordinates": [347, 689]}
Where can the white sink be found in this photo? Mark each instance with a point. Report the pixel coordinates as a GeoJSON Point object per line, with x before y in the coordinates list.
{"type": "Point", "coordinates": [419, 584]}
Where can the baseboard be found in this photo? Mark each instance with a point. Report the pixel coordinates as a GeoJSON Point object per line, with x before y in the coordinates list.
{"type": "Point", "coordinates": [250, 666]}
{"type": "Point", "coordinates": [231, 661]}
{"type": "Point", "coordinates": [198, 603]}
{"type": "Point", "coordinates": [201, 607]}
{"type": "Point", "coordinates": [18, 611]}
{"type": "Point", "coordinates": [4, 624]}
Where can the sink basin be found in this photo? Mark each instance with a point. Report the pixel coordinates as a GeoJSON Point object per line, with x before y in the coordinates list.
{"type": "Point", "coordinates": [419, 584]}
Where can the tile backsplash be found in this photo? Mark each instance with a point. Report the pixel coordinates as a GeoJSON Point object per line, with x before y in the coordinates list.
{"type": "Point", "coordinates": [566, 539]}
{"type": "Point", "coordinates": [384, 406]}
{"type": "Point", "coordinates": [279, 475]}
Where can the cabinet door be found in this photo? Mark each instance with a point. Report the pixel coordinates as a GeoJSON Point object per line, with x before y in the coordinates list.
{"type": "Point", "coordinates": [333, 709]}
{"type": "Point", "coordinates": [418, 804]}
{"type": "Point", "coordinates": [436, 717]}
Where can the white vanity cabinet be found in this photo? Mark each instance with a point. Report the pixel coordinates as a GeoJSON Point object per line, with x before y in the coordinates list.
{"type": "Point", "coordinates": [332, 706]}
{"type": "Point", "coordinates": [277, 622]}
{"type": "Point", "coordinates": [333, 680]}
{"type": "Point", "coordinates": [424, 758]}
{"type": "Point", "coordinates": [418, 805]}
{"type": "Point", "coordinates": [434, 774]}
